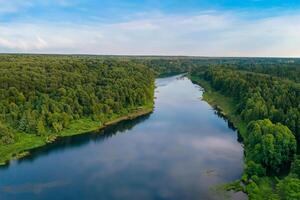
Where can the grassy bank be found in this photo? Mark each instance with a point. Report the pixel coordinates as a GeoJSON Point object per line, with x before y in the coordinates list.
{"type": "Point", "coordinates": [226, 105]}
{"type": "Point", "coordinates": [26, 142]}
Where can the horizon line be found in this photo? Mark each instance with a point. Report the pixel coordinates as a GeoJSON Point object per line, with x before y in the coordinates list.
{"type": "Point", "coordinates": [149, 55]}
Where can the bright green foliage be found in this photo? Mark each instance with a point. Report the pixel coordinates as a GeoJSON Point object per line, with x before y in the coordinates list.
{"type": "Point", "coordinates": [40, 128]}
{"type": "Point", "coordinates": [259, 96]}
{"type": "Point", "coordinates": [289, 188]}
{"type": "Point", "coordinates": [43, 94]}
{"type": "Point", "coordinates": [6, 135]}
{"type": "Point", "coordinates": [254, 169]}
{"type": "Point", "coordinates": [271, 145]}
{"type": "Point", "coordinates": [270, 106]}
{"type": "Point", "coordinates": [295, 168]}
{"type": "Point", "coordinates": [253, 191]}
{"type": "Point", "coordinates": [261, 189]}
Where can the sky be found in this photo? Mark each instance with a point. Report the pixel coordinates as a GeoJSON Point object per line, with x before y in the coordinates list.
{"type": "Point", "coordinates": [256, 28]}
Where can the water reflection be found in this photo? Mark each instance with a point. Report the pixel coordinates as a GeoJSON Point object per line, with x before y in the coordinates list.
{"type": "Point", "coordinates": [79, 140]}
{"type": "Point", "coordinates": [34, 188]}
{"type": "Point", "coordinates": [230, 125]}
{"type": "Point", "coordinates": [178, 152]}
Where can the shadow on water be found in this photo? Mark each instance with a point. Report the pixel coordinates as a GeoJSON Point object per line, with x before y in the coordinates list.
{"type": "Point", "coordinates": [230, 125]}
{"type": "Point", "coordinates": [80, 140]}
{"type": "Point", "coordinates": [221, 115]}
{"type": "Point", "coordinates": [180, 152]}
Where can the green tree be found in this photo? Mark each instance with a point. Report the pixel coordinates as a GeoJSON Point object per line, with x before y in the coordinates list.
{"type": "Point", "coordinates": [6, 136]}
{"type": "Point", "coordinates": [289, 188]}
{"type": "Point", "coordinates": [254, 169]}
{"type": "Point", "coordinates": [271, 145]}
{"type": "Point", "coordinates": [40, 128]}
{"type": "Point", "coordinates": [295, 167]}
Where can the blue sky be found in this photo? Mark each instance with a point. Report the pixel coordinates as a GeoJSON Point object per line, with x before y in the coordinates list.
{"type": "Point", "coordinates": [160, 27]}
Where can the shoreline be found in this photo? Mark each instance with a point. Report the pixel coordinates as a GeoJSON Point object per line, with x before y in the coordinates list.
{"type": "Point", "coordinates": [28, 142]}
{"type": "Point", "coordinates": [267, 184]}
{"type": "Point", "coordinates": [226, 107]}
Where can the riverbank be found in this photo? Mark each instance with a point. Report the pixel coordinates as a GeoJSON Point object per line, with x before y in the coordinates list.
{"type": "Point", "coordinates": [177, 135]}
{"type": "Point", "coordinates": [26, 142]}
{"type": "Point", "coordinates": [225, 105]}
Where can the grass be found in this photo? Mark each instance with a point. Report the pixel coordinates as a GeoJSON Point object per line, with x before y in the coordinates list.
{"type": "Point", "coordinates": [26, 142]}
{"type": "Point", "coordinates": [226, 105]}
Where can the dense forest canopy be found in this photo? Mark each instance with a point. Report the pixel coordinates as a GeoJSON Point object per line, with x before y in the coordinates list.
{"type": "Point", "coordinates": [43, 94]}
{"type": "Point", "coordinates": [266, 96]}
{"type": "Point", "coordinates": [287, 68]}
{"type": "Point", "coordinates": [259, 96]}
{"type": "Point", "coordinates": [268, 100]}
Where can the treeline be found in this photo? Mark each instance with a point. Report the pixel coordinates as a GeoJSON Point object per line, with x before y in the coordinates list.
{"type": "Point", "coordinates": [289, 71]}
{"type": "Point", "coordinates": [287, 68]}
{"type": "Point", "coordinates": [271, 108]}
{"type": "Point", "coordinates": [44, 94]}
{"type": "Point", "coordinates": [267, 96]}
{"type": "Point", "coordinates": [259, 96]}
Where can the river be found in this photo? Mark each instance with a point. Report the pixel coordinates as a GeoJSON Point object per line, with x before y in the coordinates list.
{"type": "Point", "coordinates": [181, 151]}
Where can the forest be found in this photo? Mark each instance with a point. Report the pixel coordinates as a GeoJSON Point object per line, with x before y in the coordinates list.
{"type": "Point", "coordinates": [43, 95]}
{"type": "Point", "coordinates": [267, 104]}
{"type": "Point", "coordinates": [263, 97]}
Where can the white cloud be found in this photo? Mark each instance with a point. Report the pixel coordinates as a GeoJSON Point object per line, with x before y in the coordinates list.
{"type": "Point", "coordinates": [204, 34]}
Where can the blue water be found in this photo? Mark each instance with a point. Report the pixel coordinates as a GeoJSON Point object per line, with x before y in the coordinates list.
{"type": "Point", "coordinates": [180, 151]}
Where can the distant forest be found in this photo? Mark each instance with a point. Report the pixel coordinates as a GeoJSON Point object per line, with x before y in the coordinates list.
{"type": "Point", "coordinates": [42, 94]}
{"type": "Point", "coordinates": [265, 96]}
